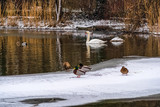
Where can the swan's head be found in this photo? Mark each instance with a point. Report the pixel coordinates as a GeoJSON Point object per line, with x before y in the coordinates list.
{"type": "Point", "coordinates": [87, 32]}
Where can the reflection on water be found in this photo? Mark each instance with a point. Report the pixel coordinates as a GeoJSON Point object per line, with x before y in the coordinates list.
{"type": "Point", "coordinates": [138, 103]}
{"type": "Point", "coordinates": [46, 51]}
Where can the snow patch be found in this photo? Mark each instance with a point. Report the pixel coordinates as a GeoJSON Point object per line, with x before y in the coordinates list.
{"type": "Point", "coordinates": [107, 83]}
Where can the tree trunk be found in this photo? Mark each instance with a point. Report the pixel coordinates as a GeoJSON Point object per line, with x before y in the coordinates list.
{"type": "Point", "coordinates": [58, 5]}
{"type": "Point", "coordinates": [0, 9]}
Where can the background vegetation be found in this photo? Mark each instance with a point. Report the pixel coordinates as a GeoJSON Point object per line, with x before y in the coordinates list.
{"type": "Point", "coordinates": [134, 13]}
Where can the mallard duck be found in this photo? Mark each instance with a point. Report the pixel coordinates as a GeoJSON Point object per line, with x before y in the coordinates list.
{"type": "Point", "coordinates": [93, 41]}
{"type": "Point", "coordinates": [84, 67]}
{"type": "Point", "coordinates": [24, 43]}
{"type": "Point", "coordinates": [124, 70]}
{"type": "Point", "coordinates": [78, 72]}
{"type": "Point", "coordinates": [66, 65]}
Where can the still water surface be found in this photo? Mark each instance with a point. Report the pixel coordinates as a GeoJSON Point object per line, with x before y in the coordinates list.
{"type": "Point", "coordinates": [47, 50]}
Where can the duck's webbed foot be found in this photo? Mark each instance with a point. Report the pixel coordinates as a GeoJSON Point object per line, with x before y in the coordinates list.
{"type": "Point", "coordinates": [78, 76]}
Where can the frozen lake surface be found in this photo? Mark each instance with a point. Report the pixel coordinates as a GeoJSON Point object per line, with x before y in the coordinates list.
{"type": "Point", "coordinates": [104, 82]}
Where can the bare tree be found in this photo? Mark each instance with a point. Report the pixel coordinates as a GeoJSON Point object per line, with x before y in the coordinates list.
{"type": "Point", "coordinates": [0, 10]}
{"type": "Point", "coordinates": [58, 6]}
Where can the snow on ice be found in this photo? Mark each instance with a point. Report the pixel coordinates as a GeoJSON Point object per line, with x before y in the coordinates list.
{"type": "Point", "coordinates": [105, 83]}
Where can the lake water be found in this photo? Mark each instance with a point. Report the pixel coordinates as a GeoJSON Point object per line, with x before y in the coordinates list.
{"type": "Point", "coordinates": [47, 50]}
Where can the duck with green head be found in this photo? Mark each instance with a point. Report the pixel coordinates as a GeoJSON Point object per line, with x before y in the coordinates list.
{"type": "Point", "coordinates": [78, 72]}
{"type": "Point", "coordinates": [84, 67]}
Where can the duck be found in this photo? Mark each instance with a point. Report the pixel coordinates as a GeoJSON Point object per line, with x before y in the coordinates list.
{"type": "Point", "coordinates": [18, 43]}
{"type": "Point", "coordinates": [93, 41]}
{"type": "Point", "coordinates": [24, 44]}
{"type": "Point", "coordinates": [66, 65]}
{"type": "Point", "coordinates": [124, 70]}
{"type": "Point", "coordinates": [84, 67]}
{"type": "Point", "coordinates": [78, 71]}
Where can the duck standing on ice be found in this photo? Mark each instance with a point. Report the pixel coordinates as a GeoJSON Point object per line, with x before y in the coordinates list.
{"type": "Point", "coordinates": [66, 66]}
{"type": "Point", "coordinates": [124, 70]}
{"type": "Point", "coordinates": [78, 71]}
{"type": "Point", "coordinates": [84, 67]}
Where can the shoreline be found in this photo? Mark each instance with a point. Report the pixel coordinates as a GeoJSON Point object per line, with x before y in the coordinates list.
{"type": "Point", "coordinates": [144, 101]}
{"type": "Point", "coordinates": [109, 25]}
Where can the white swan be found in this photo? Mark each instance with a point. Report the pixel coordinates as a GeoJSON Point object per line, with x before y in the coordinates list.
{"type": "Point", "coordinates": [116, 39]}
{"type": "Point", "coordinates": [93, 41]}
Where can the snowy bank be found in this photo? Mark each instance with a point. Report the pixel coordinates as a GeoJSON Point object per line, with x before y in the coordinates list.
{"type": "Point", "coordinates": [111, 25]}
{"type": "Point", "coordinates": [106, 83]}
{"type": "Point", "coordinates": [68, 25]}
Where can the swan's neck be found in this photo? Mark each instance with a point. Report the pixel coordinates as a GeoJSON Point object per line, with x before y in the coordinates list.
{"type": "Point", "coordinates": [88, 37]}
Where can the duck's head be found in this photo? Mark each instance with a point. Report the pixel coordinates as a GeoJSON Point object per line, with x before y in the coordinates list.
{"type": "Point", "coordinates": [76, 68]}
{"type": "Point", "coordinates": [80, 65]}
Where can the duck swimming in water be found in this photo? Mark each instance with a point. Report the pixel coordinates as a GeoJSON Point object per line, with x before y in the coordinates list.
{"type": "Point", "coordinates": [78, 72]}
{"type": "Point", "coordinates": [84, 67]}
{"type": "Point", "coordinates": [24, 43]}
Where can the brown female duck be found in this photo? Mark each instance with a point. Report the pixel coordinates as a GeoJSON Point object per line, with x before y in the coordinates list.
{"type": "Point", "coordinates": [66, 66]}
{"type": "Point", "coordinates": [124, 70]}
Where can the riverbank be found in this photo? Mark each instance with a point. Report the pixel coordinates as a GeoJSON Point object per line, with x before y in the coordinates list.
{"type": "Point", "coordinates": [146, 101]}
{"type": "Point", "coordinates": [111, 25]}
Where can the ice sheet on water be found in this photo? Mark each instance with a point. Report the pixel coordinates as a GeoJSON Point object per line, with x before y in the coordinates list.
{"type": "Point", "coordinates": [108, 82]}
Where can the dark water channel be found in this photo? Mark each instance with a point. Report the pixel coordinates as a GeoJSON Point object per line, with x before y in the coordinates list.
{"type": "Point", "coordinates": [47, 50]}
